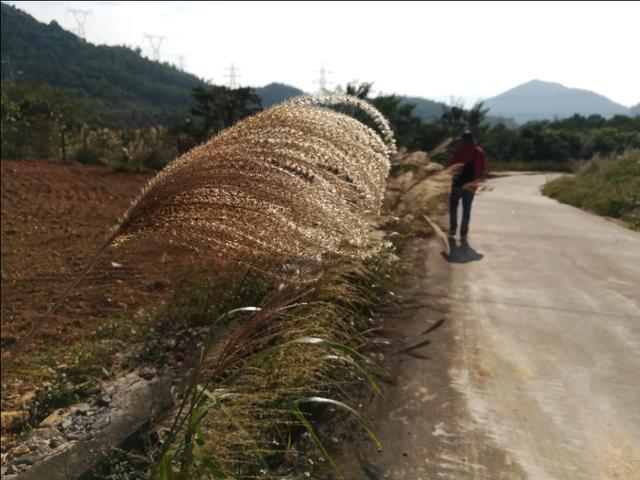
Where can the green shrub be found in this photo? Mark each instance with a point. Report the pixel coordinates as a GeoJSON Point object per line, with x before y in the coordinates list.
{"type": "Point", "coordinates": [157, 158]}
{"type": "Point", "coordinates": [88, 157]}
{"type": "Point", "coordinates": [606, 186]}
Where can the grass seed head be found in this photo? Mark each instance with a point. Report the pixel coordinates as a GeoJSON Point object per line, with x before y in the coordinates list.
{"type": "Point", "coordinates": [295, 183]}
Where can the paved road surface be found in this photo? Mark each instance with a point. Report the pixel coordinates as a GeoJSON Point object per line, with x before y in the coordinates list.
{"type": "Point", "coordinates": [541, 346]}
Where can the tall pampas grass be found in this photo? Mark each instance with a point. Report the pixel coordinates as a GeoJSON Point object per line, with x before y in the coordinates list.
{"type": "Point", "coordinates": [294, 183]}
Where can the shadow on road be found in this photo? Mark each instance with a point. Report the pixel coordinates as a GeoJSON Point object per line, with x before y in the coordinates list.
{"type": "Point", "coordinates": [462, 252]}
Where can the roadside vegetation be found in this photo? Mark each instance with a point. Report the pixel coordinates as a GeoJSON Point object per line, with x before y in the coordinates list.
{"type": "Point", "coordinates": [608, 186]}
{"type": "Point", "coordinates": [280, 329]}
{"type": "Point", "coordinates": [277, 338]}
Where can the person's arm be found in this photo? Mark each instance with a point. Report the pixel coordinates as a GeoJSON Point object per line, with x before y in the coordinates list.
{"type": "Point", "coordinates": [455, 158]}
{"type": "Point", "coordinates": [479, 165]}
{"type": "Point", "coordinates": [455, 164]}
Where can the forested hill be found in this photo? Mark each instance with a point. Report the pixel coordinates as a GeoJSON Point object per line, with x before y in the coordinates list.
{"type": "Point", "coordinates": [116, 80]}
{"type": "Point", "coordinates": [425, 109]}
{"type": "Point", "coordinates": [276, 93]}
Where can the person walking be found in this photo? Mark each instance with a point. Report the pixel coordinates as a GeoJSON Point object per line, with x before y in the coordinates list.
{"type": "Point", "coordinates": [468, 163]}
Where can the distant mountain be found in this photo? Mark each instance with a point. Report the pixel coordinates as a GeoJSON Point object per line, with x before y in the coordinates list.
{"type": "Point", "coordinates": [635, 110]}
{"type": "Point", "coordinates": [276, 92]}
{"type": "Point", "coordinates": [538, 100]}
{"type": "Point", "coordinates": [425, 109]}
{"type": "Point", "coordinates": [430, 110]}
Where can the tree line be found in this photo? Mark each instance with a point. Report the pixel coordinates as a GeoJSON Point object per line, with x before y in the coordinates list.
{"type": "Point", "coordinates": [559, 141]}
{"type": "Point", "coordinates": [41, 121]}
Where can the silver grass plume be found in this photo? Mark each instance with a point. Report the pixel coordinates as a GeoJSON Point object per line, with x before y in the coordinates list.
{"type": "Point", "coordinates": [294, 183]}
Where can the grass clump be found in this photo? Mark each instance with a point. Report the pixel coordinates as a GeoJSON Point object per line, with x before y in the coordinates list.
{"type": "Point", "coordinates": [266, 375]}
{"type": "Point", "coordinates": [282, 191]}
{"type": "Point", "coordinates": [606, 186]}
{"type": "Point", "coordinates": [530, 166]}
{"type": "Point", "coordinates": [256, 394]}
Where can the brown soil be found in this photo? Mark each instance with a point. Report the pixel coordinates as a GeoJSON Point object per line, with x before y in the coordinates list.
{"type": "Point", "coordinates": [54, 218]}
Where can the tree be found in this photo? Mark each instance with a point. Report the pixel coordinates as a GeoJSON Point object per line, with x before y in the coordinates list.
{"type": "Point", "coordinates": [220, 107]}
{"type": "Point", "coordinates": [359, 89]}
{"type": "Point", "coordinates": [501, 142]}
{"type": "Point", "coordinates": [37, 120]}
{"type": "Point", "coordinates": [405, 124]}
{"type": "Point", "coordinates": [456, 119]}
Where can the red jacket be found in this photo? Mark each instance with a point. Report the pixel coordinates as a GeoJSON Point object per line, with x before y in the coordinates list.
{"type": "Point", "coordinates": [473, 154]}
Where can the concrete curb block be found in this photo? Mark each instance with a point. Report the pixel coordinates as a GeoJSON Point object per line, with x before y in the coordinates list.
{"type": "Point", "coordinates": [135, 402]}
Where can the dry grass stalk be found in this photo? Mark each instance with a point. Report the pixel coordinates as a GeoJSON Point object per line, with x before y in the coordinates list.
{"type": "Point", "coordinates": [253, 422]}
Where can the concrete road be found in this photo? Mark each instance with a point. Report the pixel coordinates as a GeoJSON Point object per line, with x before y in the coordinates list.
{"type": "Point", "coordinates": [549, 324]}
{"type": "Point", "coordinates": [535, 371]}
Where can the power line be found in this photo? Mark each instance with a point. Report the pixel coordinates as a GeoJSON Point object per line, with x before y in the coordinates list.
{"type": "Point", "coordinates": [80, 17]}
{"type": "Point", "coordinates": [155, 41]}
{"type": "Point", "coordinates": [233, 77]}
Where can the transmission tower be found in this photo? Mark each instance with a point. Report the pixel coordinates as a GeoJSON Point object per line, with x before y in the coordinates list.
{"type": "Point", "coordinates": [233, 77]}
{"type": "Point", "coordinates": [80, 17]}
{"type": "Point", "coordinates": [155, 41]}
{"type": "Point", "coordinates": [322, 79]}
{"type": "Point", "coordinates": [181, 62]}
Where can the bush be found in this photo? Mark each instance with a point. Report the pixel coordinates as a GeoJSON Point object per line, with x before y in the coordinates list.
{"type": "Point", "coordinates": [606, 186]}
{"type": "Point", "coordinates": [88, 156]}
{"type": "Point", "coordinates": [126, 165]}
{"type": "Point", "coordinates": [157, 158]}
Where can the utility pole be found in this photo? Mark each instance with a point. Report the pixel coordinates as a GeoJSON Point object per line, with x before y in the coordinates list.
{"type": "Point", "coordinates": [80, 17]}
{"type": "Point", "coordinates": [233, 77]}
{"type": "Point", "coordinates": [322, 79]}
{"type": "Point", "coordinates": [155, 41]}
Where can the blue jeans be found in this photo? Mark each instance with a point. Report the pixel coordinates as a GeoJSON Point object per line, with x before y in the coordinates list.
{"type": "Point", "coordinates": [458, 193]}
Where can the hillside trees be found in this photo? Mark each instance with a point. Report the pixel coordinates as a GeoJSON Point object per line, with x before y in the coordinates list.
{"type": "Point", "coordinates": [455, 119]}
{"type": "Point", "coordinates": [406, 125]}
{"type": "Point", "coordinates": [124, 86]}
{"type": "Point", "coordinates": [42, 121]}
{"type": "Point", "coordinates": [219, 107]}
{"type": "Point", "coordinates": [37, 120]}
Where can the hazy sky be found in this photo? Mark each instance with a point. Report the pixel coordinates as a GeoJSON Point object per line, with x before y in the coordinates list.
{"type": "Point", "coordinates": [435, 50]}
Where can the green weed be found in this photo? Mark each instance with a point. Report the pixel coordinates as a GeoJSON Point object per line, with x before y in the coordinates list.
{"type": "Point", "coordinates": [606, 186]}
